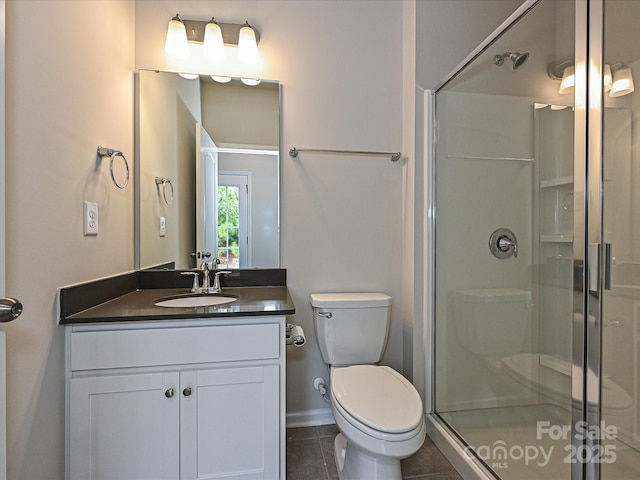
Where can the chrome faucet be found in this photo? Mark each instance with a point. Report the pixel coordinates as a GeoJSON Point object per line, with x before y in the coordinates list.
{"type": "Point", "coordinates": [205, 278]}
{"type": "Point", "coordinates": [206, 285]}
{"type": "Point", "coordinates": [216, 281]}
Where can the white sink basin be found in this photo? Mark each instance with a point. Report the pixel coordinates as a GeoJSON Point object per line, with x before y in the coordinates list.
{"type": "Point", "coordinates": [196, 300]}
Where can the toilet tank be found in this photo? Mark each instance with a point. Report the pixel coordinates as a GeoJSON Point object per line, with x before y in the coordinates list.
{"type": "Point", "coordinates": [351, 328]}
{"type": "Point", "coordinates": [492, 322]}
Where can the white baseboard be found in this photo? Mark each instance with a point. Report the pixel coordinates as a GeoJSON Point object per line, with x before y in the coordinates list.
{"type": "Point", "coordinates": [310, 418]}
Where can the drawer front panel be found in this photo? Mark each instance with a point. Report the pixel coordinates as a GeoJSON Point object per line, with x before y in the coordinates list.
{"type": "Point", "coordinates": [173, 346]}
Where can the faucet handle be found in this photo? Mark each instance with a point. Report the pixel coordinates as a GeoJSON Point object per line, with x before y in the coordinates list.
{"type": "Point", "coordinates": [216, 281]}
{"type": "Point", "coordinates": [196, 285]}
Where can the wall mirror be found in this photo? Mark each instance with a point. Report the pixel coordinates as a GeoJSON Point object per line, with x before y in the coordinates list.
{"type": "Point", "coordinates": [208, 172]}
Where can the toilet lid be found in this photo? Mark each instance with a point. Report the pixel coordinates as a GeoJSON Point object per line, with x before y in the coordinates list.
{"type": "Point", "coordinates": [379, 397]}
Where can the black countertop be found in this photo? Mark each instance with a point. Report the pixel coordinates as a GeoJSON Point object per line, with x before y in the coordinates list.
{"type": "Point", "coordinates": [120, 299]}
{"type": "Point", "coordinates": [139, 305]}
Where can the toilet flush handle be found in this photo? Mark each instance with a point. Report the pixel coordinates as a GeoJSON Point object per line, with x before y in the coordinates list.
{"type": "Point", "coordinates": [325, 314]}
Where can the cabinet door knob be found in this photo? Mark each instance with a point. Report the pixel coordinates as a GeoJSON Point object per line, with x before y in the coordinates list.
{"type": "Point", "coordinates": [187, 391]}
{"type": "Point", "coordinates": [169, 392]}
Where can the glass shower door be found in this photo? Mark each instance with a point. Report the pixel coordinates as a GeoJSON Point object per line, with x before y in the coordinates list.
{"type": "Point", "coordinates": [620, 330]}
{"type": "Point", "coordinates": [505, 195]}
{"type": "Point", "coordinates": [537, 241]}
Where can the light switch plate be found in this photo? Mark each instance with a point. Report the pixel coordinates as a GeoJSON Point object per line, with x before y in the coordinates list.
{"type": "Point", "coordinates": [90, 217]}
{"type": "Point", "coordinates": [163, 226]}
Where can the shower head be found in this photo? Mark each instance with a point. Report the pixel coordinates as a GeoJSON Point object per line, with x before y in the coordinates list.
{"type": "Point", "coordinates": [516, 57]}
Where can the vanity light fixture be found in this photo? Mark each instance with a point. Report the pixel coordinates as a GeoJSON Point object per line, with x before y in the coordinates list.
{"type": "Point", "coordinates": [213, 45]}
{"type": "Point", "coordinates": [568, 82]}
{"type": "Point", "coordinates": [607, 77]}
{"type": "Point", "coordinates": [565, 72]}
{"type": "Point", "coordinates": [248, 45]}
{"type": "Point", "coordinates": [622, 82]}
{"type": "Point", "coordinates": [617, 78]}
{"type": "Point", "coordinates": [189, 76]}
{"type": "Point", "coordinates": [213, 36]}
{"type": "Point", "coordinates": [176, 43]}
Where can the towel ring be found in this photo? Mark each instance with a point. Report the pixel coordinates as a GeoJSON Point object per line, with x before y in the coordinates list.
{"type": "Point", "coordinates": [111, 153]}
{"type": "Point", "coordinates": [164, 182]}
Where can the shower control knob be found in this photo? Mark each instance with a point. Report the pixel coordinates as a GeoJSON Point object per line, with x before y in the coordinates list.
{"type": "Point", "coordinates": [503, 243]}
{"type": "Point", "coordinates": [187, 391]}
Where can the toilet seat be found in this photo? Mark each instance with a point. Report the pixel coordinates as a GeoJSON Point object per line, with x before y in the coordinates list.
{"type": "Point", "coordinates": [377, 400]}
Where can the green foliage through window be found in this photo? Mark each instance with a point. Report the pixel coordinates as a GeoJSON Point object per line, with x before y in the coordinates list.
{"type": "Point", "coordinates": [228, 226]}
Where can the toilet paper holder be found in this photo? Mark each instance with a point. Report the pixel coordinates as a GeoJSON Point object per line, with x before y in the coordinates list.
{"type": "Point", "coordinates": [294, 335]}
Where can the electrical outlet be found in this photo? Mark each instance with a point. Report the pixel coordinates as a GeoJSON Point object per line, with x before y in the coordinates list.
{"type": "Point", "coordinates": [90, 218]}
{"type": "Point", "coordinates": [163, 226]}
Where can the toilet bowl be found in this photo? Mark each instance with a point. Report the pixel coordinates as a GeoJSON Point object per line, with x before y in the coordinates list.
{"type": "Point", "coordinates": [379, 412]}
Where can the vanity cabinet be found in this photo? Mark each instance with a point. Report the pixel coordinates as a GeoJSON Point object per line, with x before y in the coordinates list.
{"type": "Point", "coordinates": [189, 400]}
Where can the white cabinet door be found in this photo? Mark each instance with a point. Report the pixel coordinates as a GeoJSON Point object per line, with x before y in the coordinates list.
{"type": "Point", "coordinates": [125, 427]}
{"type": "Point", "coordinates": [230, 423]}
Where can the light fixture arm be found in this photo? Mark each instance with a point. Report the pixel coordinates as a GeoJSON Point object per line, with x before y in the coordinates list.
{"type": "Point", "coordinates": [616, 66]}
{"type": "Point", "coordinates": [230, 31]}
{"type": "Point", "coordinates": [556, 69]}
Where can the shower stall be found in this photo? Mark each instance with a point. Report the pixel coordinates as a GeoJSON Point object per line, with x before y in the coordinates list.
{"type": "Point", "coordinates": [534, 191]}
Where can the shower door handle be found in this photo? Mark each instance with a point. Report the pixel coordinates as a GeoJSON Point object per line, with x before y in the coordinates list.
{"type": "Point", "coordinates": [608, 260]}
{"type": "Point", "coordinates": [594, 266]}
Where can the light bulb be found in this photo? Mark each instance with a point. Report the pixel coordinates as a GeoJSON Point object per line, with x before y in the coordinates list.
{"type": "Point", "coordinates": [247, 45]}
{"type": "Point", "coordinates": [176, 43]}
{"type": "Point", "coordinates": [568, 80]}
{"type": "Point", "coordinates": [213, 44]}
{"type": "Point", "coordinates": [622, 82]}
{"type": "Point", "coordinates": [607, 80]}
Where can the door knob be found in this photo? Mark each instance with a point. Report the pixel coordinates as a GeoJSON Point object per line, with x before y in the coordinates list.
{"type": "Point", "coordinates": [187, 391]}
{"type": "Point", "coordinates": [169, 392]}
{"type": "Point", "coordinates": [10, 309]}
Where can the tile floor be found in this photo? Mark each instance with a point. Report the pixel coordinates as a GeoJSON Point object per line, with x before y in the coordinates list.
{"type": "Point", "coordinates": [310, 457]}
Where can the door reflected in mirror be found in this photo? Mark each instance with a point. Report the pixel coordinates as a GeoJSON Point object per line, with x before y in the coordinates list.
{"type": "Point", "coordinates": [218, 144]}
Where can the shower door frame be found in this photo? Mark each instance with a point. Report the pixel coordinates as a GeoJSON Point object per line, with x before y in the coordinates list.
{"type": "Point", "coordinates": [587, 248]}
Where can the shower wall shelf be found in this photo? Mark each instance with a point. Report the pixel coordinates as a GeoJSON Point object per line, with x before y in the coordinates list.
{"type": "Point", "coordinates": [557, 182]}
{"type": "Point", "coordinates": [556, 238]}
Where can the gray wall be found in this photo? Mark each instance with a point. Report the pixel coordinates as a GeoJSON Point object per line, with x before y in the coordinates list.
{"type": "Point", "coordinates": [344, 86]}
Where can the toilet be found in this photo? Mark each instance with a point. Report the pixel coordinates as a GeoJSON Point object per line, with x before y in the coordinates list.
{"type": "Point", "coordinates": [379, 412]}
{"type": "Point", "coordinates": [492, 323]}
